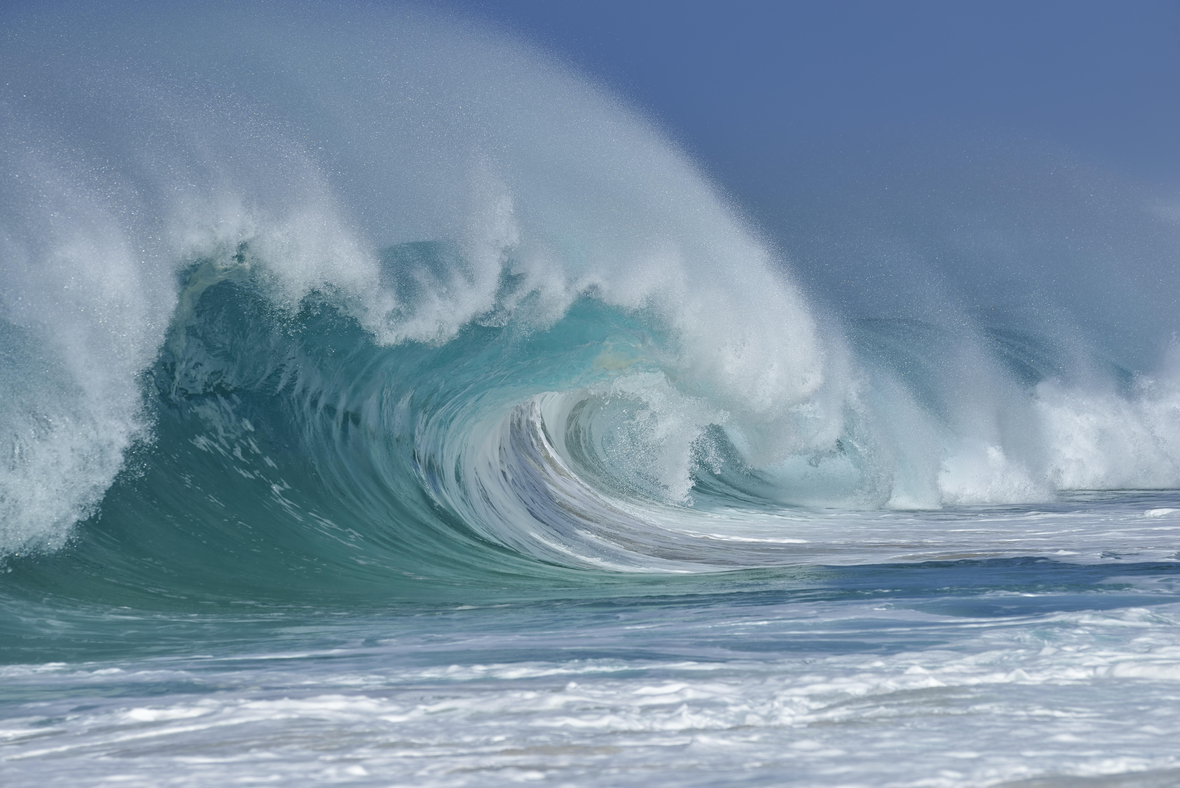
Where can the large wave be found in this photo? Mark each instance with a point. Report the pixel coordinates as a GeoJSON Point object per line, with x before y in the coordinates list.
{"type": "Point", "coordinates": [384, 293]}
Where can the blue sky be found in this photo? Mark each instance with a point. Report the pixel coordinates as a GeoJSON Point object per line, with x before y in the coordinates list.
{"type": "Point", "coordinates": [741, 84]}
{"type": "Point", "coordinates": [913, 157]}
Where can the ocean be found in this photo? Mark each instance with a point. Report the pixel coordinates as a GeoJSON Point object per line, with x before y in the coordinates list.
{"type": "Point", "coordinates": [385, 403]}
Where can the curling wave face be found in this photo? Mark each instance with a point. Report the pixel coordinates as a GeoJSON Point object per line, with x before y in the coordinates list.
{"type": "Point", "coordinates": [225, 338]}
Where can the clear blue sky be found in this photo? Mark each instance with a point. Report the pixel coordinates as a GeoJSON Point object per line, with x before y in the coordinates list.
{"type": "Point", "coordinates": [743, 83]}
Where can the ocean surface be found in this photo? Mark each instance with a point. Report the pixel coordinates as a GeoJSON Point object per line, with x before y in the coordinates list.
{"type": "Point", "coordinates": [386, 404]}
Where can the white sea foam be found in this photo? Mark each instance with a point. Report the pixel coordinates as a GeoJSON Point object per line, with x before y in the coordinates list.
{"type": "Point", "coordinates": [1058, 697]}
{"type": "Point", "coordinates": [1105, 441]}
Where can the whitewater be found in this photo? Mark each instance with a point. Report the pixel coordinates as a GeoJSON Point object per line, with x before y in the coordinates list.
{"type": "Point", "coordinates": [385, 403]}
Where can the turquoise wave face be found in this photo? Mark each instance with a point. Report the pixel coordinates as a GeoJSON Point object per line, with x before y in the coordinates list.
{"type": "Point", "coordinates": [295, 460]}
{"type": "Point", "coordinates": [292, 457]}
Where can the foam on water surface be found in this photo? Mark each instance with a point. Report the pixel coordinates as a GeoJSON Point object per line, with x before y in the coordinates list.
{"type": "Point", "coordinates": [854, 693]}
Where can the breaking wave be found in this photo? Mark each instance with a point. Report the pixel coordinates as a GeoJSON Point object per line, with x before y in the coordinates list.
{"type": "Point", "coordinates": [390, 298]}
